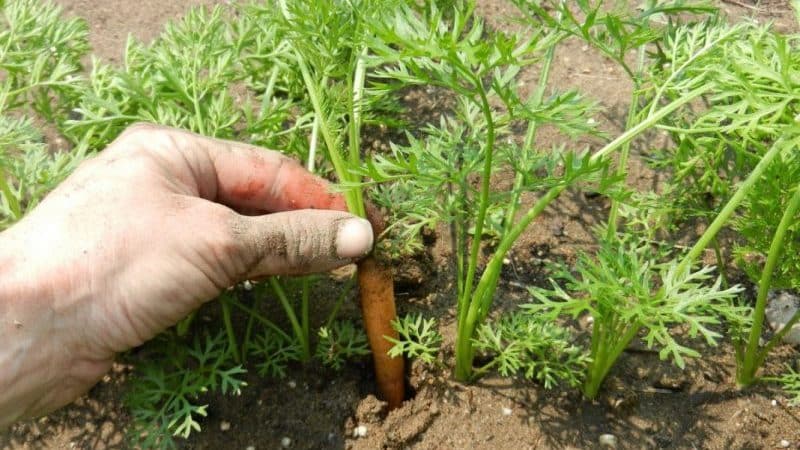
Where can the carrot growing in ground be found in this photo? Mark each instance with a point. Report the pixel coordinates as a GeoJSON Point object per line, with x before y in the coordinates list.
{"type": "Point", "coordinates": [375, 280]}
{"type": "Point", "coordinates": [376, 286]}
{"type": "Point", "coordinates": [334, 82]}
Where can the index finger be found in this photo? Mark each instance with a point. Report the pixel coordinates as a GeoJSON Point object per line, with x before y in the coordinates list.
{"type": "Point", "coordinates": [241, 176]}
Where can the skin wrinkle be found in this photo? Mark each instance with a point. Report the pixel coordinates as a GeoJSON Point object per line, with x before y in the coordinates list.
{"type": "Point", "coordinates": [240, 230]}
{"type": "Point", "coordinates": [279, 183]}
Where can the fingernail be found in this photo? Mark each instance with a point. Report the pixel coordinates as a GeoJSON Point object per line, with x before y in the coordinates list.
{"type": "Point", "coordinates": [354, 238]}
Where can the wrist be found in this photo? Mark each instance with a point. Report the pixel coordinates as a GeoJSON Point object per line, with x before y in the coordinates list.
{"type": "Point", "coordinates": [39, 367]}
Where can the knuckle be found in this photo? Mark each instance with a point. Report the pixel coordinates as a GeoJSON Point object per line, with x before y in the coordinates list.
{"type": "Point", "coordinates": [306, 243]}
{"type": "Point", "coordinates": [234, 231]}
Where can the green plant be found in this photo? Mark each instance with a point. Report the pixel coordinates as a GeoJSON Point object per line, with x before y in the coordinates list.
{"type": "Point", "coordinates": [273, 351]}
{"type": "Point", "coordinates": [40, 55]}
{"type": "Point", "coordinates": [532, 346]}
{"type": "Point", "coordinates": [40, 64]}
{"type": "Point", "coordinates": [480, 68]}
{"type": "Point", "coordinates": [790, 382]}
{"type": "Point", "coordinates": [418, 338]}
{"type": "Point", "coordinates": [28, 170]}
{"type": "Point", "coordinates": [339, 342]}
{"type": "Point", "coordinates": [165, 400]}
{"type": "Point", "coordinates": [630, 288]}
{"type": "Point", "coordinates": [750, 118]}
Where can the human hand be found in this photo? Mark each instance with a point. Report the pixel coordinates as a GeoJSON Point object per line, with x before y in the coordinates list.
{"type": "Point", "coordinates": [137, 238]}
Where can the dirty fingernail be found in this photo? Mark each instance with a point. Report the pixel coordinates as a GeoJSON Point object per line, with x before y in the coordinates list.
{"type": "Point", "coordinates": [354, 238]}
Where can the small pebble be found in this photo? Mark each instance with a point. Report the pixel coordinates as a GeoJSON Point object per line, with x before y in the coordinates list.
{"type": "Point", "coordinates": [774, 402]}
{"type": "Point", "coordinates": [292, 384]}
{"type": "Point", "coordinates": [247, 285]}
{"type": "Point", "coordinates": [250, 447]}
{"type": "Point", "coordinates": [224, 426]}
{"type": "Point", "coordinates": [286, 442]}
{"type": "Point", "coordinates": [507, 411]}
{"type": "Point", "coordinates": [360, 431]}
{"type": "Point", "coordinates": [784, 443]}
{"type": "Point", "coordinates": [506, 261]}
{"type": "Point", "coordinates": [608, 440]}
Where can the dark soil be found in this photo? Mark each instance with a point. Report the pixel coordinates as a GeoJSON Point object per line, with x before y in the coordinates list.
{"type": "Point", "coordinates": [646, 403]}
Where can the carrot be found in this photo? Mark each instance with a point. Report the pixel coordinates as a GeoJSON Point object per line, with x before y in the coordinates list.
{"type": "Point", "coordinates": [376, 284]}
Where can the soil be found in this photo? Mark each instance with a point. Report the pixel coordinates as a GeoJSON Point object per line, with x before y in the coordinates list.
{"type": "Point", "coordinates": [646, 403]}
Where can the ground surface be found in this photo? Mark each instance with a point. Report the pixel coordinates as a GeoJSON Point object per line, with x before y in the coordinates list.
{"type": "Point", "coordinates": [646, 403]}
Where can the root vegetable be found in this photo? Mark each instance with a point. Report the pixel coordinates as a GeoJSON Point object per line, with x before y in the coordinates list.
{"type": "Point", "coordinates": [376, 286]}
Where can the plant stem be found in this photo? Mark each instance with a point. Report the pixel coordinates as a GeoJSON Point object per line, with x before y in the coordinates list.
{"type": "Point", "coordinates": [266, 322]}
{"type": "Point", "coordinates": [530, 134]}
{"type": "Point", "coordinates": [248, 332]}
{"type": "Point", "coordinates": [226, 317]}
{"type": "Point", "coordinates": [752, 358]}
{"type": "Point", "coordinates": [5, 189]}
{"type": "Point", "coordinates": [622, 164]}
{"type": "Point", "coordinates": [609, 348]}
{"type": "Point", "coordinates": [350, 195]}
{"type": "Point", "coordinates": [340, 300]}
{"type": "Point", "coordinates": [481, 300]}
{"type": "Point", "coordinates": [483, 201]}
{"type": "Point", "coordinates": [302, 339]}
{"type": "Point", "coordinates": [466, 326]}
{"type": "Point", "coordinates": [305, 293]}
{"type": "Point", "coordinates": [359, 76]}
{"type": "Point", "coordinates": [731, 206]}
{"type": "Point", "coordinates": [720, 262]}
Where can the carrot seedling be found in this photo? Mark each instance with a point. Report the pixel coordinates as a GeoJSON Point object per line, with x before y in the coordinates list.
{"type": "Point", "coordinates": [447, 173]}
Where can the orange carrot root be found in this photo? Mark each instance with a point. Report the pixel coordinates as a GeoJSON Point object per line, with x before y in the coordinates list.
{"type": "Point", "coordinates": [376, 286]}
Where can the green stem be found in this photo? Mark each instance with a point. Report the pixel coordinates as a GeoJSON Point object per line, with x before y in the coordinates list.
{"type": "Point", "coordinates": [359, 77]}
{"type": "Point", "coordinates": [340, 300]}
{"type": "Point", "coordinates": [305, 294]}
{"type": "Point", "coordinates": [350, 195]}
{"type": "Point", "coordinates": [751, 355]}
{"type": "Point", "coordinates": [268, 91]}
{"type": "Point", "coordinates": [303, 339]}
{"type": "Point", "coordinates": [530, 135]}
{"type": "Point", "coordinates": [182, 327]}
{"type": "Point", "coordinates": [226, 317]}
{"type": "Point", "coordinates": [731, 206]}
{"type": "Point", "coordinates": [777, 338]}
{"type": "Point", "coordinates": [723, 271]}
{"type": "Point", "coordinates": [248, 332]}
{"type": "Point", "coordinates": [607, 356]}
{"type": "Point", "coordinates": [198, 111]}
{"type": "Point", "coordinates": [483, 200]}
{"type": "Point", "coordinates": [11, 199]}
{"type": "Point", "coordinates": [651, 120]}
{"type": "Point", "coordinates": [481, 300]}
{"type": "Point", "coordinates": [264, 321]}
{"type": "Point", "coordinates": [622, 164]}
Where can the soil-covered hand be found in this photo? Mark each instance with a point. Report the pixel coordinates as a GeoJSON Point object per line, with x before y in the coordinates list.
{"type": "Point", "coordinates": [137, 238]}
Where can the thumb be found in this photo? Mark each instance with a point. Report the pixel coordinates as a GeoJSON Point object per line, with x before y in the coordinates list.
{"type": "Point", "coordinates": [303, 241]}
